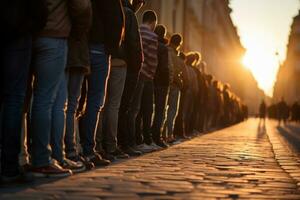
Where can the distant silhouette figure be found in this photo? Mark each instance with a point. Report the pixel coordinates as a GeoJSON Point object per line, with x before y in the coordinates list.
{"type": "Point", "coordinates": [283, 112]}
{"type": "Point", "coordinates": [262, 112]}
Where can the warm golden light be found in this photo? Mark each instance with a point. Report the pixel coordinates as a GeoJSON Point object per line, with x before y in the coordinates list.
{"type": "Point", "coordinates": [263, 64]}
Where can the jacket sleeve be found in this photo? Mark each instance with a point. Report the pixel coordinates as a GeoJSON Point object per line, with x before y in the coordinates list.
{"type": "Point", "coordinates": [133, 42]}
{"type": "Point", "coordinates": [113, 18]}
{"type": "Point", "coordinates": [80, 12]}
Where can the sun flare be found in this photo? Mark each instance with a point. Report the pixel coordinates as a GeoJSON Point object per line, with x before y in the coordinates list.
{"type": "Point", "coordinates": [263, 65]}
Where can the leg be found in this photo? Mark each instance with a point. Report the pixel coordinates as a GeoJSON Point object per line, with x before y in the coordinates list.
{"type": "Point", "coordinates": [15, 61]}
{"type": "Point", "coordinates": [49, 67]}
{"type": "Point", "coordinates": [147, 111]}
{"type": "Point", "coordinates": [58, 122]}
{"type": "Point", "coordinates": [95, 96]}
{"type": "Point", "coordinates": [75, 81]}
{"type": "Point", "coordinates": [111, 110]}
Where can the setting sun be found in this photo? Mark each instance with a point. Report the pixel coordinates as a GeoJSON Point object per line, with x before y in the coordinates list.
{"type": "Point", "coordinates": [264, 28]}
{"type": "Point", "coordinates": [263, 65]}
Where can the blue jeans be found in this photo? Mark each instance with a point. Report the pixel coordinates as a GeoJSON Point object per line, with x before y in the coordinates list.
{"type": "Point", "coordinates": [74, 90]}
{"type": "Point", "coordinates": [50, 55]}
{"type": "Point", "coordinates": [15, 61]}
{"type": "Point", "coordinates": [58, 122]}
{"type": "Point", "coordinates": [97, 81]}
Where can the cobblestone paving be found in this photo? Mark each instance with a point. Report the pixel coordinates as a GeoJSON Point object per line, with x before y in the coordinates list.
{"type": "Point", "coordinates": [240, 162]}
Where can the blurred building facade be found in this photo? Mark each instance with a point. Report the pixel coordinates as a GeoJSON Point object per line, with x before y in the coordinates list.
{"type": "Point", "coordinates": [288, 77]}
{"type": "Point", "coordinates": [207, 27]}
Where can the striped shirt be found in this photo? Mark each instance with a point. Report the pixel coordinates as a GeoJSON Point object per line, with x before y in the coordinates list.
{"type": "Point", "coordinates": [150, 50]}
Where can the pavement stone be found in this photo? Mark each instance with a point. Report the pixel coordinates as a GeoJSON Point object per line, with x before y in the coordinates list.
{"type": "Point", "coordinates": [240, 162]}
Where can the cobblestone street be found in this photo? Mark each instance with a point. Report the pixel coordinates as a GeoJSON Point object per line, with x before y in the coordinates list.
{"type": "Point", "coordinates": [241, 162]}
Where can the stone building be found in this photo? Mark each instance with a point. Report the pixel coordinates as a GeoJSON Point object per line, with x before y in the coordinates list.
{"type": "Point", "coordinates": [207, 27]}
{"type": "Point", "coordinates": [288, 78]}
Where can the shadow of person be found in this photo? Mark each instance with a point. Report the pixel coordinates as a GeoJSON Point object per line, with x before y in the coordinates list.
{"type": "Point", "coordinates": [261, 130]}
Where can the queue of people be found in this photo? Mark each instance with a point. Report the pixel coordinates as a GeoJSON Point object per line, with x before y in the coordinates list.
{"type": "Point", "coordinates": [283, 112]}
{"type": "Point", "coordinates": [83, 84]}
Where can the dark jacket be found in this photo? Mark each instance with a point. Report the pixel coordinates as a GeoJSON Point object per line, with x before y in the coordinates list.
{"type": "Point", "coordinates": [81, 19]}
{"type": "Point", "coordinates": [58, 21]}
{"type": "Point", "coordinates": [108, 24]}
{"type": "Point", "coordinates": [132, 42]}
{"type": "Point", "coordinates": [162, 77]}
{"type": "Point", "coordinates": [19, 17]}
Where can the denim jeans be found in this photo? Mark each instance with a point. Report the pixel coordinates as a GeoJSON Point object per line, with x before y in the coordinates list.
{"type": "Point", "coordinates": [50, 55]}
{"type": "Point", "coordinates": [173, 105]}
{"type": "Point", "coordinates": [97, 81]}
{"type": "Point", "coordinates": [115, 89]}
{"type": "Point", "coordinates": [75, 81]}
{"type": "Point", "coordinates": [161, 94]}
{"type": "Point", "coordinates": [58, 122]}
{"type": "Point", "coordinates": [15, 61]}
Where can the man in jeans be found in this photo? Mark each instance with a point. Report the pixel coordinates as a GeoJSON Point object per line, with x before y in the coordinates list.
{"type": "Point", "coordinates": [105, 37]}
{"type": "Point", "coordinates": [21, 19]}
{"type": "Point", "coordinates": [161, 86]}
{"type": "Point", "coordinates": [50, 56]}
{"type": "Point", "coordinates": [146, 75]}
{"type": "Point", "coordinates": [77, 67]}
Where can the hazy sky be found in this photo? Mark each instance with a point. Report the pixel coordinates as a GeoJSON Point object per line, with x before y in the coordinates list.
{"type": "Point", "coordinates": [264, 27]}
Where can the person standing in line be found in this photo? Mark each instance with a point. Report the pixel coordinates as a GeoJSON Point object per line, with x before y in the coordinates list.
{"type": "Point", "coordinates": [161, 87]}
{"type": "Point", "coordinates": [115, 89]}
{"type": "Point", "coordinates": [134, 59]}
{"type": "Point", "coordinates": [49, 90]}
{"type": "Point", "coordinates": [176, 66]}
{"type": "Point", "coordinates": [145, 81]}
{"type": "Point", "coordinates": [105, 38]}
{"type": "Point", "coordinates": [22, 20]}
{"type": "Point", "coordinates": [78, 66]}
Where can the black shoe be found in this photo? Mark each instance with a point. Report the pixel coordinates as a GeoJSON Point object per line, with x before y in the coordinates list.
{"type": "Point", "coordinates": [76, 158]}
{"type": "Point", "coordinates": [162, 144]}
{"type": "Point", "coordinates": [119, 154]}
{"type": "Point", "coordinates": [21, 178]}
{"type": "Point", "coordinates": [97, 160]}
{"type": "Point", "coordinates": [131, 152]}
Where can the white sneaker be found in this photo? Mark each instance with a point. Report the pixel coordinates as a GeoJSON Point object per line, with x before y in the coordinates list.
{"type": "Point", "coordinates": [145, 148]}
{"type": "Point", "coordinates": [155, 146]}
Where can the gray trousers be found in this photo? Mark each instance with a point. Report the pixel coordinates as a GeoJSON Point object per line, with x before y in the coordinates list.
{"type": "Point", "coordinates": [107, 132]}
{"type": "Point", "coordinates": [173, 105]}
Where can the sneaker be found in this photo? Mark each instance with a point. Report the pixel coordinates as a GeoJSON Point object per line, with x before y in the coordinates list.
{"type": "Point", "coordinates": [131, 151]}
{"type": "Point", "coordinates": [145, 148]}
{"type": "Point", "coordinates": [75, 167]}
{"type": "Point", "coordinates": [53, 170]}
{"type": "Point", "coordinates": [119, 154]}
{"type": "Point", "coordinates": [97, 160]}
{"type": "Point", "coordinates": [155, 146]}
{"type": "Point", "coordinates": [78, 158]}
{"type": "Point", "coordinates": [162, 144]}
